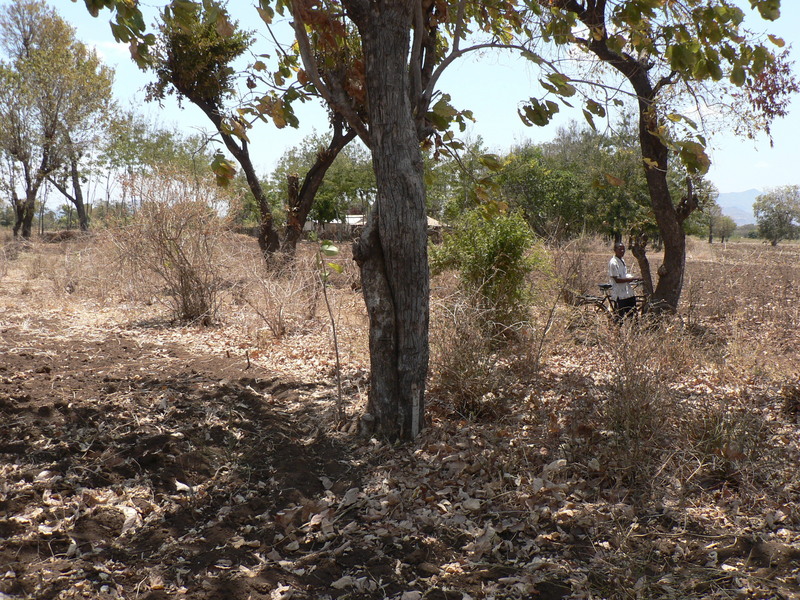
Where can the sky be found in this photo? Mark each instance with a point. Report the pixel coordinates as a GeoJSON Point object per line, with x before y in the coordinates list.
{"type": "Point", "coordinates": [492, 87]}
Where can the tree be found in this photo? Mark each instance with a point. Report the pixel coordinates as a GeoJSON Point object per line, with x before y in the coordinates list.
{"type": "Point", "coordinates": [607, 168]}
{"type": "Point", "coordinates": [492, 254]}
{"type": "Point", "coordinates": [193, 58]}
{"type": "Point", "coordinates": [665, 53]}
{"type": "Point", "coordinates": [387, 94]}
{"type": "Point", "coordinates": [348, 186]}
{"type": "Point", "coordinates": [452, 180]}
{"type": "Point", "coordinates": [707, 219]}
{"type": "Point", "coordinates": [53, 92]}
{"type": "Point", "coordinates": [725, 228]}
{"type": "Point", "coordinates": [777, 213]}
{"type": "Point", "coordinates": [553, 199]}
{"type": "Point", "coordinates": [81, 121]}
{"type": "Point", "coordinates": [398, 75]}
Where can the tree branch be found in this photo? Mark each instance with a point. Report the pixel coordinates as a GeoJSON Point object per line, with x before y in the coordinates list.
{"type": "Point", "coordinates": [337, 99]}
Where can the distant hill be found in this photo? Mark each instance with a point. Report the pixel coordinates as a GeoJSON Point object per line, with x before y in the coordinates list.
{"type": "Point", "coordinates": [739, 205]}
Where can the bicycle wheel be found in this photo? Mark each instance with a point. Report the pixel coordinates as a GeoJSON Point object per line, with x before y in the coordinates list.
{"type": "Point", "coordinates": [591, 311]}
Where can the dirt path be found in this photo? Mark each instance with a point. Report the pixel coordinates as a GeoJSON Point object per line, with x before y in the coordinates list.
{"type": "Point", "coordinates": [128, 465]}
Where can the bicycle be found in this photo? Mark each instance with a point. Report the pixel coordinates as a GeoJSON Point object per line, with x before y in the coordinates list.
{"type": "Point", "coordinates": [607, 306]}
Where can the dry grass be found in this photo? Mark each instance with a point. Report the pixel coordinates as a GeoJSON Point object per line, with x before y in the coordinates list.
{"type": "Point", "coordinates": [684, 421]}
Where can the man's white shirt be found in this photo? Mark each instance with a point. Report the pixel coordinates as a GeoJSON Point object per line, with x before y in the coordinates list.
{"type": "Point", "coordinates": [618, 268]}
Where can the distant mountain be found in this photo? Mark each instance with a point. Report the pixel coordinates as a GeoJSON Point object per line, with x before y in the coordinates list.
{"type": "Point", "coordinates": [739, 205]}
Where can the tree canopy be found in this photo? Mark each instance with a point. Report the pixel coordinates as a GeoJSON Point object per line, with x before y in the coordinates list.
{"type": "Point", "coordinates": [54, 92]}
{"type": "Point", "coordinates": [777, 213]}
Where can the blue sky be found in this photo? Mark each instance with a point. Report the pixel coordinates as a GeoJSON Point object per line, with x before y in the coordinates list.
{"type": "Point", "coordinates": [492, 87]}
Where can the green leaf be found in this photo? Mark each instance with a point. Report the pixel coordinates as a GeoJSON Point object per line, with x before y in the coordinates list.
{"type": "Point", "coordinates": [223, 169]}
{"type": "Point", "coordinates": [650, 163]}
{"type": "Point", "coordinates": [769, 9]}
{"type": "Point", "coordinates": [561, 84]}
{"type": "Point", "coordinates": [336, 267]}
{"type": "Point", "coordinates": [532, 56]}
{"type": "Point", "coordinates": [266, 13]}
{"type": "Point", "coordinates": [677, 118]}
{"type": "Point", "coordinates": [714, 70]}
{"type": "Point", "coordinates": [596, 108]}
{"type": "Point", "coordinates": [738, 75]}
{"type": "Point", "coordinates": [539, 113]}
{"type": "Point", "coordinates": [589, 119]}
{"type": "Point", "coordinates": [328, 249]}
{"type": "Point", "coordinates": [491, 162]}
{"type": "Point", "coordinates": [693, 156]}
{"type": "Point", "coordinates": [681, 57]}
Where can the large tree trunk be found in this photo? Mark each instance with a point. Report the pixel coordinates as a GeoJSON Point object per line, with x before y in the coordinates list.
{"type": "Point", "coordinates": [392, 251]}
{"type": "Point", "coordinates": [268, 240]}
{"type": "Point", "coordinates": [19, 206]}
{"type": "Point", "coordinates": [77, 197]}
{"type": "Point", "coordinates": [638, 246]}
{"type": "Point", "coordinates": [77, 193]}
{"type": "Point", "coordinates": [655, 155]}
{"type": "Point", "coordinates": [670, 273]}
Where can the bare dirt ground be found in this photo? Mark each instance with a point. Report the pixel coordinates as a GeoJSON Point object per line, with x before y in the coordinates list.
{"type": "Point", "coordinates": [146, 459]}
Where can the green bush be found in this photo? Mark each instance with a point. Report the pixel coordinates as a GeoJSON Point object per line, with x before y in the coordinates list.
{"type": "Point", "coordinates": [494, 255]}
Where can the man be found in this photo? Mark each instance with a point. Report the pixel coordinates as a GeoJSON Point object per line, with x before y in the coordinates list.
{"type": "Point", "coordinates": [620, 280]}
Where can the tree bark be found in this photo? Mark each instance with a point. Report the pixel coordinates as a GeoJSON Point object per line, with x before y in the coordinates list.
{"type": "Point", "coordinates": [28, 210]}
{"type": "Point", "coordinates": [670, 273]}
{"type": "Point", "coordinates": [77, 198]}
{"type": "Point", "coordinates": [392, 251]}
{"type": "Point", "coordinates": [268, 240]}
{"type": "Point", "coordinates": [638, 246]}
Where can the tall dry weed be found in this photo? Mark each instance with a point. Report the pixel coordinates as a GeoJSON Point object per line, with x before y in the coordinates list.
{"type": "Point", "coordinates": [84, 267]}
{"type": "Point", "coordinates": [746, 296]}
{"type": "Point", "coordinates": [181, 244]}
{"type": "Point", "coordinates": [283, 295]}
{"type": "Point", "coordinates": [580, 265]}
{"type": "Point", "coordinates": [465, 366]}
{"type": "Point", "coordinates": [640, 410]}
{"type": "Point", "coordinates": [5, 258]}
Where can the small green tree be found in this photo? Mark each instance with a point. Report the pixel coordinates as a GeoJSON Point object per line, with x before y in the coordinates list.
{"type": "Point", "coordinates": [725, 228]}
{"type": "Point", "coordinates": [607, 168]}
{"type": "Point", "coordinates": [777, 213]}
{"type": "Point", "coordinates": [492, 253]}
{"type": "Point", "coordinates": [349, 184]}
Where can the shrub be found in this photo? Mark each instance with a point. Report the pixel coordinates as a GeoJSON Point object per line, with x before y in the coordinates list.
{"type": "Point", "coordinates": [180, 244]}
{"type": "Point", "coordinates": [494, 257]}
